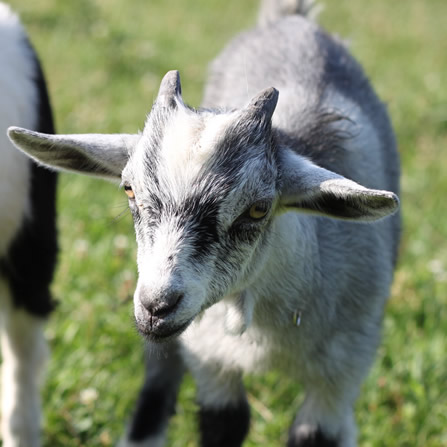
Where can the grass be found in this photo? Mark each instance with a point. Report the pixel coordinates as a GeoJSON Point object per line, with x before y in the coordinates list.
{"type": "Point", "coordinates": [104, 60]}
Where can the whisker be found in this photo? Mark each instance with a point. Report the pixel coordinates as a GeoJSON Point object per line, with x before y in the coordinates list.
{"type": "Point", "coordinates": [120, 205]}
{"type": "Point", "coordinates": [120, 215]}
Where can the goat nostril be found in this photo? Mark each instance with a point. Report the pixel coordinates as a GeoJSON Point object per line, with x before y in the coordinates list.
{"type": "Point", "coordinates": [168, 306]}
{"type": "Point", "coordinates": [178, 299]}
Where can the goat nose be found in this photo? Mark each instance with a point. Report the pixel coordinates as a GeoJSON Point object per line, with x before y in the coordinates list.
{"type": "Point", "coordinates": [163, 304]}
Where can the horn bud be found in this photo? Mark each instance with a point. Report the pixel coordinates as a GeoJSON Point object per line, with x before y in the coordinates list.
{"type": "Point", "coordinates": [263, 104]}
{"type": "Point", "coordinates": [170, 89]}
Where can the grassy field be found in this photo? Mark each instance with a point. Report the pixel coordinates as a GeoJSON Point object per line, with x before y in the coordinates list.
{"type": "Point", "coordinates": [104, 60]}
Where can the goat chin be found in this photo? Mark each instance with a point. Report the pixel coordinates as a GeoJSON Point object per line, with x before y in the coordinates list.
{"type": "Point", "coordinates": [160, 331]}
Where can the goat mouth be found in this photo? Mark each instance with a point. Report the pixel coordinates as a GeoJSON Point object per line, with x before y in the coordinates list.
{"type": "Point", "coordinates": [160, 333]}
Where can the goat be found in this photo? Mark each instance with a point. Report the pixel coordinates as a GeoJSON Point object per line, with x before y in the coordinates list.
{"type": "Point", "coordinates": [28, 243]}
{"type": "Point", "coordinates": [248, 217]}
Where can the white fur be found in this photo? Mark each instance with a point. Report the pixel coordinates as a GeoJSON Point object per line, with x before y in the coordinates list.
{"type": "Point", "coordinates": [156, 275]}
{"type": "Point", "coordinates": [239, 313]}
{"type": "Point", "coordinates": [269, 310]}
{"type": "Point", "coordinates": [189, 141]}
{"type": "Point", "coordinates": [24, 352]}
{"type": "Point", "coordinates": [18, 96]}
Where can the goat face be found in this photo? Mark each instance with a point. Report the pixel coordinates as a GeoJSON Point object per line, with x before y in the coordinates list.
{"type": "Point", "coordinates": [202, 189]}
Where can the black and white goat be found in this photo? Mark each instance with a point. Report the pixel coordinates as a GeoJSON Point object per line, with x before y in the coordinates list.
{"type": "Point", "coordinates": [27, 237]}
{"type": "Point", "coordinates": [246, 212]}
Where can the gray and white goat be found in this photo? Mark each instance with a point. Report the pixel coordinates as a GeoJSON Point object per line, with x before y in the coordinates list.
{"type": "Point", "coordinates": [28, 244]}
{"type": "Point", "coordinates": [250, 251]}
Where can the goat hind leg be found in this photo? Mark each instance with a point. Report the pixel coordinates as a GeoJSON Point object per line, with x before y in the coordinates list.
{"type": "Point", "coordinates": [332, 381]}
{"type": "Point", "coordinates": [24, 351]}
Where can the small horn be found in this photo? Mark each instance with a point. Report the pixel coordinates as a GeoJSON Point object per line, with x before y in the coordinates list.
{"type": "Point", "coordinates": [170, 89]}
{"type": "Point", "coordinates": [263, 104]}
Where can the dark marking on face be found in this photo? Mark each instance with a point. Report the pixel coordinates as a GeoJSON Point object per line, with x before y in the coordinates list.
{"type": "Point", "coordinates": [200, 216]}
{"type": "Point", "coordinates": [242, 142]}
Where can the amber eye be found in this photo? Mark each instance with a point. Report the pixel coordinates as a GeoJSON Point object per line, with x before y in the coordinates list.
{"type": "Point", "coordinates": [258, 210]}
{"type": "Point", "coordinates": [128, 190]}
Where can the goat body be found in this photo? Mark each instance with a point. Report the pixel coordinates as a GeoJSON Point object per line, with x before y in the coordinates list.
{"type": "Point", "coordinates": [27, 237]}
{"type": "Point", "coordinates": [250, 254]}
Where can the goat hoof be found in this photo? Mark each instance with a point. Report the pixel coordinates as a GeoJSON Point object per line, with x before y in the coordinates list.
{"type": "Point", "coordinates": [310, 436]}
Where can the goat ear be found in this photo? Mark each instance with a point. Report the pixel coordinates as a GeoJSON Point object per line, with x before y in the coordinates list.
{"type": "Point", "coordinates": [307, 187]}
{"type": "Point", "coordinates": [170, 89]}
{"type": "Point", "coordinates": [262, 106]}
{"type": "Point", "coordinates": [91, 154]}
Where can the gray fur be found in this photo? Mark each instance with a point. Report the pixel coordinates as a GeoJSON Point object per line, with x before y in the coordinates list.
{"type": "Point", "coordinates": [273, 10]}
{"type": "Point", "coordinates": [59, 153]}
{"type": "Point", "coordinates": [229, 284]}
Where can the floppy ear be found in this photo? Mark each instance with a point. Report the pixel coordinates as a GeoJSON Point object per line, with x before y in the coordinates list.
{"type": "Point", "coordinates": [309, 188]}
{"type": "Point", "coordinates": [91, 154]}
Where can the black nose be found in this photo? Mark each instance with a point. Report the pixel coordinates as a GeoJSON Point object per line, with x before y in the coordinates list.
{"type": "Point", "coordinates": [162, 305]}
{"type": "Point", "coordinates": [167, 306]}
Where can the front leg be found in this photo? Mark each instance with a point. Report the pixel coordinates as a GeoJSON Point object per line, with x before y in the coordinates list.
{"type": "Point", "coordinates": [224, 426]}
{"type": "Point", "coordinates": [224, 415]}
{"type": "Point", "coordinates": [156, 402]}
{"type": "Point", "coordinates": [332, 382]}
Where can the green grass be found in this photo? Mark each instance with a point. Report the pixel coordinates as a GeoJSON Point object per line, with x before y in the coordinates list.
{"type": "Point", "coordinates": [104, 60]}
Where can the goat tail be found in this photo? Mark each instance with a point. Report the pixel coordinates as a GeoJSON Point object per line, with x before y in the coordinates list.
{"type": "Point", "coordinates": [273, 10]}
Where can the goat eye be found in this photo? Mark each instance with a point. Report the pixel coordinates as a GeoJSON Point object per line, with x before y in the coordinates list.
{"type": "Point", "coordinates": [258, 210]}
{"type": "Point", "coordinates": [128, 190]}
{"type": "Point", "coordinates": [255, 213]}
